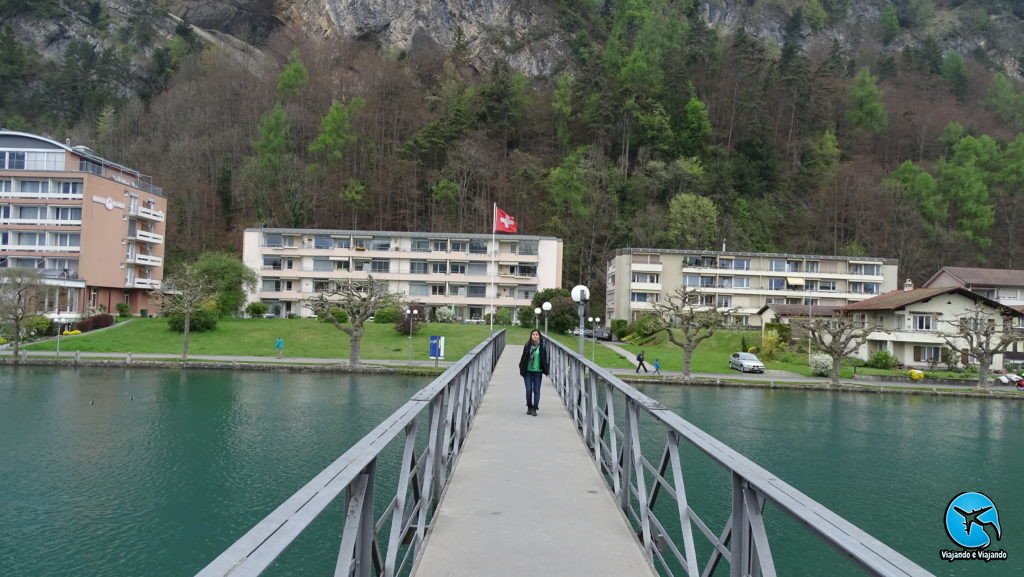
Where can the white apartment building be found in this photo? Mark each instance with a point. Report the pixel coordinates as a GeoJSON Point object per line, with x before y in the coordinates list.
{"type": "Point", "coordinates": [469, 274]}
{"type": "Point", "coordinates": [743, 281]}
{"type": "Point", "coordinates": [92, 228]}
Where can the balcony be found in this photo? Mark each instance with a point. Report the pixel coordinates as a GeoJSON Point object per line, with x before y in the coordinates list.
{"type": "Point", "coordinates": [145, 259]}
{"type": "Point", "coordinates": [147, 213]}
{"type": "Point", "coordinates": [142, 283]}
{"type": "Point", "coordinates": [148, 237]}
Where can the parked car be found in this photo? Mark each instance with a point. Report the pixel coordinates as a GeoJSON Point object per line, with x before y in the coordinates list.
{"type": "Point", "coordinates": [746, 363]}
{"type": "Point", "coordinates": [1009, 379]}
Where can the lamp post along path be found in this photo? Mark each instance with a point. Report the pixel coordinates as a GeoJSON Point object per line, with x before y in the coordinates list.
{"type": "Point", "coordinates": [581, 295]}
{"type": "Point", "coordinates": [536, 319]}
{"type": "Point", "coordinates": [410, 315]}
{"type": "Point", "coordinates": [547, 308]}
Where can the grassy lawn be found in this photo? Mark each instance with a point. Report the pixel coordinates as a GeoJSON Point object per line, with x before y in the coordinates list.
{"type": "Point", "coordinates": [256, 337]}
{"type": "Point", "coordinates": [711, 356]}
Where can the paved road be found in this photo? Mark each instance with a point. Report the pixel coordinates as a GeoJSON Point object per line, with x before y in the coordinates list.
{"type": "Point", "coordinates": [526, 497]}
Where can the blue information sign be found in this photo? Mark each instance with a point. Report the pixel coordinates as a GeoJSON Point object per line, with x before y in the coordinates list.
{"type": "Point", "coordinates": [437, 347]}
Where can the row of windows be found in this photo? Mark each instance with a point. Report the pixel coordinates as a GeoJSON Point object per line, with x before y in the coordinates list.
{"type": "Point", "coordinates": [471, 290]}
{"type": "Point", "coordinates": [778, 284]}
{"type": "Point", "coordinates": [472, 268]}
{"type": "Point", "coordinates": [33, 238]}
{"type": "Point", "coordinates": [775, 265]}
{"type": "Point", "coordinates": [22, 212]}
{"type": "Point", "coordinates": [40, 186]}
{"type": "Point", "coordinates": [389, 244]}
{"type": "Point", "coordinates": [22, 160]}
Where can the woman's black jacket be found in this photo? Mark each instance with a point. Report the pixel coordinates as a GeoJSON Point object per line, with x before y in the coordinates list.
{"type": "Point", "coordinates": [526, 358]}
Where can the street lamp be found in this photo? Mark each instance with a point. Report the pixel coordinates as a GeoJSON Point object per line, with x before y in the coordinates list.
{"type": "Point", "coordinates": [536, 319]}
{"type": "Point", "coordinates": [60, 329]}
{"type": "Point", "coordinates": [547, 308]}
{"type": "Point", "coordinates": [581, 295]}
{"type": "Point", "coordinates": [594, 321]}
{"type": "Point", "coordinates": [410, 314]}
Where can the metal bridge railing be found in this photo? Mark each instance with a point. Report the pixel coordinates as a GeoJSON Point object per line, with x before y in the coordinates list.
{"type": "Point", "coordinates": [608, 414]}
{"type": "Point", "coordinates": [387, 544]}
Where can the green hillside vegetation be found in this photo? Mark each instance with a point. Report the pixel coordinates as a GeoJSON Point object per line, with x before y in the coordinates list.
{"type": "Point", "coordinates": [658, 130]}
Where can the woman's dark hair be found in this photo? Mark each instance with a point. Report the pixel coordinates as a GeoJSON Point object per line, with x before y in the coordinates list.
{"type": "Point", "coordinates": [530, 338]}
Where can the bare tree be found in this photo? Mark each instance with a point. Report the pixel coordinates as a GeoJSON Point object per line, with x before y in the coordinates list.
{"type": "Point", "coordinates": [688, 322]}
{"type": "Point", "coordinates": [977, 333]}
{"type": "Point", "coordinates": [839, 336]}
{"type": "Point", "coordinates": [21, 291]}
{"type": "Point", "coordinates": [360, 299]}
{"type": "Point", "coordinates": [184, 293]}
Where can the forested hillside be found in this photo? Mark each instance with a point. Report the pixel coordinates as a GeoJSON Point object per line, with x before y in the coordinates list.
{"type": "Point", "coordinates": [879, 128]}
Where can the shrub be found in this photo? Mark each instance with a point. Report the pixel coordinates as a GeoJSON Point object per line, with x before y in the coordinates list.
{"type": "Point", "coordinates": [386, 316]}
{"type": "Point", "coordinates": [444, 315]}
{"type": "Point", "coordinates": [949, 359]}
{"type": "Point", "coordinates": [41, 326]}
{"type": "Point", "coordinates": [647, 325]}
{"type": "Point", "coordinates": [503, 317]}
{"type": "Point", "coordinates": [784, 331]}
{"type": "Point", "coordinates": [744, 345]}
{"type": "Point", "coordinates": [123, 309]}
{"type": "Point", "coordinates": [95, 322]}
{"type": "Point", "coordinates": [882, 360]}
{"type": "Point", "coordinates": [402, 323]}
{"type": "Point", "coordinates": [204, 319]}
{"type": "Point", "coordinates": [338, 314]}
{"type": "Point", "coordinates": [526, 317]}
{"type": "Point", "coordinates": [620, 328]}
{"type": "Point", "coordinates": [821, 365]}
{"type": "Point", "coordinates": [770, 344]}
{"type": "Point", "coordinates": [256, 309]}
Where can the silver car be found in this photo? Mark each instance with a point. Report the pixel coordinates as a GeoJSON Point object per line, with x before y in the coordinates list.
{"type": "Point", "coordinates": [746, 363]}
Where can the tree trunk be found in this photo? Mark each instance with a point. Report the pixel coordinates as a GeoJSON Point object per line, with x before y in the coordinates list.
{"type": "Point", "coordinates": [687, 362]}
{"type": "Point", "coordinates": [355, 341]}
{"type": "Point", "coordinates": [984, 364]}
{"type": "Point", "coordinates": [184, 338]}
{"type": "Point", "coordinates": [835, 371]}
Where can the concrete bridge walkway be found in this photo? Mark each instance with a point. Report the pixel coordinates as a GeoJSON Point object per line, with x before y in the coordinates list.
{"type": "Point", "coordinates": [526, 497]}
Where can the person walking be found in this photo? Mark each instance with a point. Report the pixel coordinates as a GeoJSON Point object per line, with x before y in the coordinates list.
{"type": "Point", "coordinates": [657, 367]}
{"type": "Point", "coordinates": [640, 362]}
{"type": "Point", "coordinates": [279, 345]}
{"type": "Point", "coordinates": [533, 365]}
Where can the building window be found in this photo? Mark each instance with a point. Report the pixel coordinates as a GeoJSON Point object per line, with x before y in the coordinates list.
{"type": "Point", "coordinates": [420, 245]}
{"type": "Point", "coordinates": [418, 289]}
{"type": "Point", "coordinates": [271, 285]}
{"type": "Point", "coordinates": [477, 291]}
{"type": "Point", "coordinates": [477, 269]}
{"type": "Point", "coordinates": [362, 243]}
{"type": "Point", "coordinates": [526, 248]}
{"type": "Point", "coordinates": [741, 282]}
{"type": "Point", "coordinates": [28, 212]}
{"type": "Point", "coordinates": [67, 239]}
{"type": "Point", "coordinates": [440, 246]}
{"type": "Point", "coordinates": [691, 281]}
{"type": "Point", "coordinates": [868, 288]}
{"type": "Point", "coordinates": [439, 267]}
{"type": "Point", "coordinates": [273, 240]}
{"type": "Point", "coordinates": [342, 243]}
{"type": "Point", "coordinates": [865, 269]}
{"type": "Point", "coordinates": [12, 160]}
{"type": "Point", "coordinates": [699, 261]}
{"type": "Point", "coordinates": [459, 246]}
{"type": "Point", "coordinates": [323, 243]}
{"type": "Point", "coordinates": [437, 290]}
{"type": "Point", "coordinates": [525, 270]}
{"type": "Point", "coordinates": [458, 268]}
{"type": "Point", "coordinates": [724, 301]}
{"type": "Point", "coordinates": [646, 277]}
{"type": "Point", "coordinates": [725, 263]}
{"type": "Point", "coordinates": [67, 213]}
{"type": "Point", "coordinates": [776, 284]}
{"type": "Point", "coordinates": [827, 286]}
{"type": "Point", "coordinates": [923, 354]}
{"type": "Point", "coordinates": [637, 297]}
{"type": "Point", "coordinates": [272, 262]}
{"type": "Point", "coordinates": [707, 300]}
{"type": "Point", "coordinates": [741, 264]}
{"type": "Point", "coordinates": [418, 267]}
{"type": "Point", "coordinates": [321, 285]}
{"type": "Point", "coordinates": [478, 247]}
{"type": "Point", "coordinates": [382, 244]}
{"type": "Point", "coordinates": [793, 266]}
{"type": "Point", "coordinates": [812, 266]}
{"type": "Point", "coordinates": [380, 265]}
{"type": "Point", "coordinates": [323, 265]}
{"type": "Point", "coordinates": [922, 323]}
{"type": "Point", "coordinates": [72, 188]}
{"type": "Point", "coordinates": [777, 265]}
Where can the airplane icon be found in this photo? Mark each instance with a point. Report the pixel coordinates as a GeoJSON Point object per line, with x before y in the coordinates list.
{"type": "Point", "coordinates": [971, 518]}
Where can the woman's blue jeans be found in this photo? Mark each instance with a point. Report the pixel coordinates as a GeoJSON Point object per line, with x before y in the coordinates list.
{"type": "Point", "coordinates": [532, 380]}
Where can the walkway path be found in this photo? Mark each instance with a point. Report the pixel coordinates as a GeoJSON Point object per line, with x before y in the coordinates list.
{"type": "Point", "coordinates": [526, 497]}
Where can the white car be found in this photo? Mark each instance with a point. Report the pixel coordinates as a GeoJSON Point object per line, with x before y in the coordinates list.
{"type": "Point", "coordinates": [746, 363]}
{"type": "Point", "coordinates": [1009, 379]}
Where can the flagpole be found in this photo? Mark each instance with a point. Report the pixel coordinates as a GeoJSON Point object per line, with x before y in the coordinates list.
{"type": "Point", "coordinates": [494, 265]}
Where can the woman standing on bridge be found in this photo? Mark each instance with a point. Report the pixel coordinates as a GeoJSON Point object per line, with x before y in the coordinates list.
{"type": "Point", "coordinates": [533, 365]}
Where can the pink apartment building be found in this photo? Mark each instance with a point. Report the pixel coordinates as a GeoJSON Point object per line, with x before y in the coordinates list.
{"type": "Point", "coordinates": [92, 228]}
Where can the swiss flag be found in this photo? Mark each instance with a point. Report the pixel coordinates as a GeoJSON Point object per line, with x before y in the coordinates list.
{"type": "Point", "coordinates": [503, 221]}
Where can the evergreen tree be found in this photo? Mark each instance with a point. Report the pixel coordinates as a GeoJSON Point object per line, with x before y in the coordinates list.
{"type": "Point", "coordinates": [866, 111]}
{"type": "Point", "coordinates": [954, 72]}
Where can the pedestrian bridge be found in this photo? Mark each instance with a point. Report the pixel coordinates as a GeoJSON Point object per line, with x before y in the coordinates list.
{"type": "Point", "coordinates": [601, 492]}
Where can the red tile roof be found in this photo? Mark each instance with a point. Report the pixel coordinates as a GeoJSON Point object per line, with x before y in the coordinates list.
{"type": "Point", "coordinates": [897, 299]}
